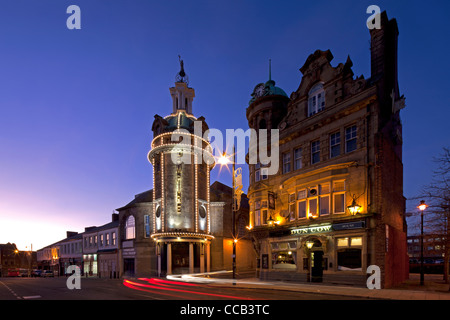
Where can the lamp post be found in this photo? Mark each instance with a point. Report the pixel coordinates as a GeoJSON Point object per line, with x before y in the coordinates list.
{"type": "Point", "coordinates": [422, 208]}
{"type": "Point", "coordinates": [223, 160]}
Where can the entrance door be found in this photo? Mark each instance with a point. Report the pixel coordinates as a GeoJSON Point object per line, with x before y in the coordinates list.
{"type": "Point", "coordinates": [316, 266]}
{"type": "Point", "coordinates": [128, 267]}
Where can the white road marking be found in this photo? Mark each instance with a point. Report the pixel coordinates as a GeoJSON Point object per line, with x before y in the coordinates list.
{"type": "Point", "coordinates": [10, 290]}
{"type": "Point", "coordinates": [31, 297]}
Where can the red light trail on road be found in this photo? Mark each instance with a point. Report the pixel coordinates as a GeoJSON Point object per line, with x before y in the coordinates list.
{"type": "Point", "coordinates": [163, 286]}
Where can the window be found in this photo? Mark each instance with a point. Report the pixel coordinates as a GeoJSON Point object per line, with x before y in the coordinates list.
{"type": "Point", "coordinates": [316, 99]}
{"type": "Point", "coordinates": [257, 217]}
{"type": "Point", "coordinates": [349, 253]}
{"type": "Point", "coordinates": [301, 206]}
{"type": "Point", "coordinates": [312, 207]}
{"type": "Point", "coordinates": [113, 238]}
{"type": "Point", "coordinates": [292, 207]}
{"type": "Point", "coordinates": [339, 196]}
{"type": "Point", "coordinates": [335, 144]}
{"type": "Point", "coordinates": [284, 255]}
{"type": "Point", "coordinates": [147, 223]}
{"type": "Point", "coordinates": [264, 173]}
{"type": "Point", "coordinates": [107, 239]}
{"type": "Point", "coordinates": [257, 172]}
{"type": "Point", "coordinates": [315, 152]}
{"type": "Point", "coordinates": [101, 240]}
{"type": "Point", "coordinates": [324, 200]}
{"type": "Point", "coordinates": [297, 158]}
{"type": "Point", "coordinates": [261, 173]}
{"type": "Point", "coordinates": [130, 230]}
{"type": "Point", "coordinates": [264, 217]}
{"type": "Point", "coordinates": [350, 139]}
{"type": "Point", "coordinates": [286, 162]}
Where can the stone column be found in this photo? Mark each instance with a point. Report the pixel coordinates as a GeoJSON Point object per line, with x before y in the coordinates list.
{"type": "Point", "coordinates": [208, 256]}
{"type": "Point", "coordinates": [158, 254]}
{"type": "Point", "coordinates": [191, 257]}
{"type": "Point", "coordinates": [169, 258]}
{"type": "Point", "coordinates": [202, 257]}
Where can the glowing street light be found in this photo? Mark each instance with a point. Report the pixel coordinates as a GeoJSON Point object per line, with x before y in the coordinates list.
{"type": "Point", "coordinates": [422, 206]}
{"type": "Point", "coordinates": [224, 160]}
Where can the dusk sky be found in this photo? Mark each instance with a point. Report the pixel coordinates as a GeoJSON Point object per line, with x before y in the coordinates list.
{"type": "Point", "coordinates": [77, 105]}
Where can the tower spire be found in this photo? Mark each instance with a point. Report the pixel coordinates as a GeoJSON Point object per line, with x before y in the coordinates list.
{"type": "Point", "coordinates": [270, 69]}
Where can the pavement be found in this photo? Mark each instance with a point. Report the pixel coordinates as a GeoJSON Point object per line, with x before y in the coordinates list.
{"type": "Point", "coordinates": [434, 288]}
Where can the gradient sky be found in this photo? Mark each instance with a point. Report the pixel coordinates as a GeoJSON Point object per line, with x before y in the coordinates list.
{"type": "Point", "coordinates": [77, 105]}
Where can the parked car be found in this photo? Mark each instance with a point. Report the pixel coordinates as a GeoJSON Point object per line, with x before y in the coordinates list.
{"type": "Point", "coordinates": [23, 272]}
{"type": "Point", "coordinates": [13, 273]}
{"type": "Point", "coordinates": [47, 273]}
{"type": "Point", "coordinates": [36, 273]}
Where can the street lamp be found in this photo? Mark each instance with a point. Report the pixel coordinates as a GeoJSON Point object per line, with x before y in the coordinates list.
{"type": "Point", "coordinates": [422, 208]}
{"type": "Point", "coordinates": [224, 160]}
{"type": "Point", "coordinates": [354, 208]}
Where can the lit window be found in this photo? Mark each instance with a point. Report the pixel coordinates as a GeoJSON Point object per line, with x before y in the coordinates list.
{"type": "Point", "coordinates": [357, 241]}
{"type": "Point", "coordinates": [264, 217]}
{"type": "Point", "coordinates": [342, 242]}
{"type": "Point", "coordinates": [350, 139]}
{"type": "Point", "coordinates": [315, 152]}
{"type": "Point", "coordinates": [257, 217]}
{"type": "Point", "coordinates": [130, 228]}
{"type": "Point", "coordinates": [316, 100]}
{"type": "Point", "coordinates": [335, 144]}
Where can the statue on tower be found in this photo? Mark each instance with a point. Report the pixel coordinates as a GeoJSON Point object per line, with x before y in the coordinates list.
{"type": "Point", "coordinates": [182, 76]}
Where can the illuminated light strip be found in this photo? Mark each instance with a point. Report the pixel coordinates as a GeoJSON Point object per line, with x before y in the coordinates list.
{"type": "Point", "coordinates": [162, 135]}
{"type": "Point", "coordinates": [196, 187]}
{"type": "Point", "coordinates": [162, 192]}
{"type": "Point", "coordinates": [183, 234]}
{"type": "Point", "coordinates": [208, 218]}
{"type": "Point", "coordinates": [187, 115]}
{"type": "Point", "coordinates": [185, 148]}
{"type": "Point", "coordinates": [166, 282]}
{"type": "Point", "coordinates": [130, 285]}
{"type": "Point", "coordinates": [154, 196]}
{"type": "Point", "coordinates": [136, 284]}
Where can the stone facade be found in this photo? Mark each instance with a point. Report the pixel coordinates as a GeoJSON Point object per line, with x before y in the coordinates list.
{"type": "Point", "coordinates": [340, 145]}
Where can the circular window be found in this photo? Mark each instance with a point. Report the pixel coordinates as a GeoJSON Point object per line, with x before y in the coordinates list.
{"type": "Point", "coordinates": [202, 212]}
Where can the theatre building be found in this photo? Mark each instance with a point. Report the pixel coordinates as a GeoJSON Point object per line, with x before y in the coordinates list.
{"type": "Point", "coordinates": [176, 227]}
{"type": "Point", "coordinates": [336, 204]}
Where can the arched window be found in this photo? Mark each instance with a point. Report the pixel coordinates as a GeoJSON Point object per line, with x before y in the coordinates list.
{"type": "Point", "coordinates": [130, 228]}
{"type": "Point", "coordinates": [262, 124]}
{"type": "Point", "coordinates": [316, 99]}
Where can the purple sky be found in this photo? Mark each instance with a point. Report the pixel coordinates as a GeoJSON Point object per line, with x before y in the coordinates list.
{"type": "Point", "coordinates": [77, 105]}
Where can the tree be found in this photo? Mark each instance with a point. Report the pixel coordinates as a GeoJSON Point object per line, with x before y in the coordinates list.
{"type": "Point", "coordinates": [437, 196]}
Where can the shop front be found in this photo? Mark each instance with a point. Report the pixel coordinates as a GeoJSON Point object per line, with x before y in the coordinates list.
{"type": "Point", "coordinates": [334, 253]}
{"type": "Point", "coordinates": [90, 267]}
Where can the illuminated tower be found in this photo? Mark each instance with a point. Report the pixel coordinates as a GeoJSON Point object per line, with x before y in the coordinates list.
{"type": "Point", "coordinates": [182, 160]}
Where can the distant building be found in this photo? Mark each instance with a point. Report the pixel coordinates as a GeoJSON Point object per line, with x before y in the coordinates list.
{"type": "Point", "coordinates": [433, 248]}
{"type": "Point", "coordinates": [336, 204]}
{"type": "Point", "coordinates": [94, 251]}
